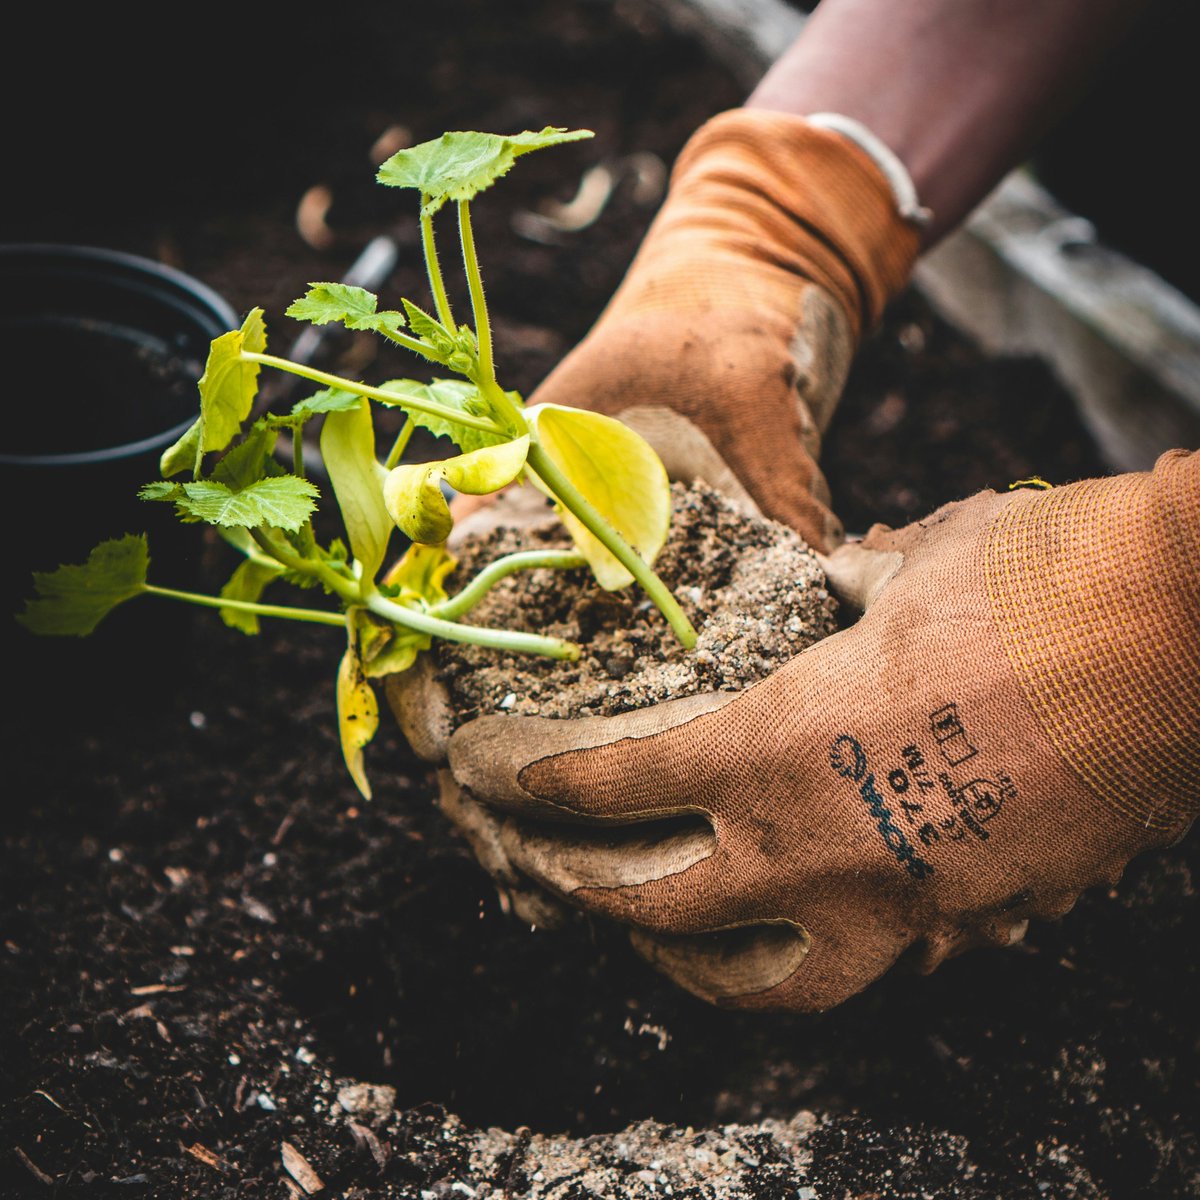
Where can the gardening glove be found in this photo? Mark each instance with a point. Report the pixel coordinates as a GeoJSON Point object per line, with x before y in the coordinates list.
{"type": "Point", "coordinates": [778, 245]}
{"type": "Point", "coordinates": [1013, 717]}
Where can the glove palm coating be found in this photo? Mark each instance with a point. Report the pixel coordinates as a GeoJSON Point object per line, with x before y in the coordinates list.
{"type": "Point", "coordinates": [1015, 715]}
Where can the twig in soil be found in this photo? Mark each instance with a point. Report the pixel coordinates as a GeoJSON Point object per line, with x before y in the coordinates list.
{"type": "Point", "coordinates": [34, 1169]}
{"type": "Point", "coordinates": [208, 1157]}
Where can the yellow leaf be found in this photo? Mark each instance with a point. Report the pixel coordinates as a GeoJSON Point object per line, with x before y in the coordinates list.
{"type": "Point", "coordinates": [412, 492]}
{"type": "Point", "coordinates": [413, 497]}
{"type": "Point", "coordinates": [420, 574]}
{"type": "Point", "coordinates": [348, 451]}
{"type": "Point", "coordinates": [619, 474]}
{"type": "Point", "coordinates": [358, 717]}
{"type": "Point", "coordinates": [488, 469]}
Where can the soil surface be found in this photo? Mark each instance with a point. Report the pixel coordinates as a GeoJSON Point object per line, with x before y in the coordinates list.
{"type": "Point", "coordinates": [225, 975]}
{"type": "Point", "coordinates": [752, 588]}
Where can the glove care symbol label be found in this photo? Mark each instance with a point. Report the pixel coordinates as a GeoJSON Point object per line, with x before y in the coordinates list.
{"type": "Point", "coordinates": [849, 760]}
{"type": "Point", "coordinates": [947, 729]}
{"type": "Point", "coordinates": [920, 790]}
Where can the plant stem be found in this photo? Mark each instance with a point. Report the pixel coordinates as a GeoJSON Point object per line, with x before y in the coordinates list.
{"type": "Point", "coordinates": [522, 560]}
{"type": "Point", "coordinates": [384, 397]}
{"type": "Point", "coordinates": [500, 402]}
{"type": "Point", "coordinates": [298, 453]}
{"type": "Point", "coordinates": [572, 498]}
{"type": "Point", "coordinates": [433, 268]}
{"type": "Point", "coordinates": [399, 445]}
{"type": "Point", "coordinates": [314, 615]}
{"type": "Point", "coordinates": [347, 589]}
{"type": "Point", "coordinates": [476, 635]}
{"type": "Point", "coordinates": [483, 328]}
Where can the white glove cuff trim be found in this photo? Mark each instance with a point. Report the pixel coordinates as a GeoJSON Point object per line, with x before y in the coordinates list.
{"type": "Point", "coordinates": [894, 171]}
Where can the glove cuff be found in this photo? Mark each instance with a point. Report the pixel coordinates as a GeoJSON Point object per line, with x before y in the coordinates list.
{"type": "Point", "coordinates": [823, 206]}
{"type": "Point", "coordinates": [1097, 602]}
{"type": "Point", "coordinates": [904, 191]}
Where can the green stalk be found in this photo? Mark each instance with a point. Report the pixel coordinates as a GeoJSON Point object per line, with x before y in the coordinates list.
{"type": "Point", "coordinates": [314, 615]}
{"type": "Point", "coordinates": [365, 593]}
{"type": "Point", "coordinates": [485, 378]}
{"type": "Point", "coordinates": [571, 497]}
{"type": "Point", "coordinates": [361, 389]}
{"type": "Point", "coordinates": [500, 568]}
{"type": "Point", "coordinates": [396, 453]}
{"type": "Point", "coordinates": [298, 453]}
{"type": "Point", "coordinates": [476, 635]}
{"type": "Point", "coordinates": [434, 269]}
{"type": "Point", "coordinates": [483, 328]}
{"type": "Point", "coordinates": [347, 589]}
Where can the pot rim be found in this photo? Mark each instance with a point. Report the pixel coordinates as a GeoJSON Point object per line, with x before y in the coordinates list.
{"type": "Point", "coordinates": [205, 307]}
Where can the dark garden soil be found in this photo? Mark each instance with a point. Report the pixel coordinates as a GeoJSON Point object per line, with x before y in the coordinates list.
{"type": "Point", "coordinates": [211, 945]}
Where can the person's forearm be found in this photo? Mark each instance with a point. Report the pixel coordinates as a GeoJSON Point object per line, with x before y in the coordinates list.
{"type": "Point", "coordinates": [958, 89]}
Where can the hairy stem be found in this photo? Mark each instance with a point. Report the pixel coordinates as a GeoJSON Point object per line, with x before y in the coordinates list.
{"type": "Point", "coordinates": [396, 453]}
{"type": "Point", "coordinates": [347, 589]}
{"type": "Point", "coordinates": [571, 497]}
{"type": "Point", "coordinates": [483, 328]}
{"type": "Point", "coordinates": [522, 560]}
{"type": "Point", "coordinates": [434, 269]}
{"type": "Point", "coordinates": [384, 397]}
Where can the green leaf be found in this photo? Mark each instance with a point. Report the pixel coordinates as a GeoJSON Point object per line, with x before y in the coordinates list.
{"type": "Point", "coordinates": [348, 451]}
{"type": "Point", "coordinates": [284, 502]}
{"type": "Point", "coordinates": [74, 599]}
{"type": "Point", "coordinates": [247, 583]}
{"type": "Point", "coordinates": [251, 460]}
{"type": "Point", "coordinates": [183, 454]}
{"type": "Point", "coordinates": [354, 307]}
{"type": "Point", "coordinates": [326, 401]}
{"type": "Point", "coordinates": [428, 327]}
{"type": "Point", "coordinates": [358, 716]}
{"type": "Point", "coordinates": [450, 393]}
{"type": "Point", "coordinates": [460, 165]}
{"type": "Point", "coordinates": [160, 489]}
{"type": "Point", "coordinates": [413, 495]}
{"type": "Point", "coordinates": [619, 474]}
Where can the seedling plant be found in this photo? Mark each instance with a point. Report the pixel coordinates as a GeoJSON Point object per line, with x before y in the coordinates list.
{"type": "Point", "coordinates": [605, 482]}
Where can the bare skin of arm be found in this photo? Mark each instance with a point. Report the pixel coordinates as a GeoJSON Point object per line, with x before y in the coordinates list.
{"type": "Point", "coordinates": [960, 90]}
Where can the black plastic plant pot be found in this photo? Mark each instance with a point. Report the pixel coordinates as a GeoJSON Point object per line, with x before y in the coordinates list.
{"type": "Point", "coordinates": [101, 352]}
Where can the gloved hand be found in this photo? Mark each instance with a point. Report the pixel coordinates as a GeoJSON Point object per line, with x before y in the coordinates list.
{"type": "Point", "coordinates": [1015, 715]}
{"type": "Point", "coordinates": [777, 247]}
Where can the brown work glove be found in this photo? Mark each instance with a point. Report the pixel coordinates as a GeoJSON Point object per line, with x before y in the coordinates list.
{"type": "Point", "coordinates": [1016, 714]}
{"type": "Point", "coordinates": [777, 247]}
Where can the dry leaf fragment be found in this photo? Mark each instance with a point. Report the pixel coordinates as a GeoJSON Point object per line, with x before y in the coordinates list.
{"type": "Point", "coordinates": [365, 1139]}
{"type": "Point", "coordinates": [208, 1157]}
{"type": "Point", "coordinates": [300, 1169]}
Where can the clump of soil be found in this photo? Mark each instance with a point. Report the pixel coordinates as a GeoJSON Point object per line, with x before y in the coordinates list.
{"type": "Point", "coordinates": [753, 589]}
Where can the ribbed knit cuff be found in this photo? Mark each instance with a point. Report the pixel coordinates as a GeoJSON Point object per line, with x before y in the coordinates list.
{"type": "Point", "coordinates": [1095, 590]}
